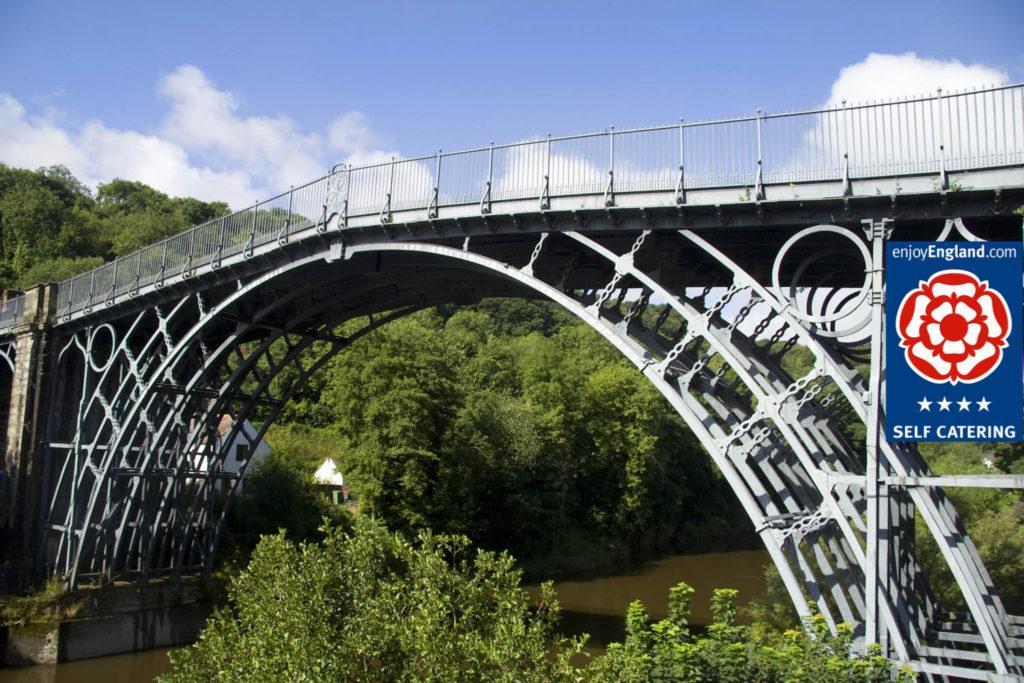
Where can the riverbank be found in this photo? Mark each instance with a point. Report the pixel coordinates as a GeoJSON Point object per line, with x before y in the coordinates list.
{"type": "Point", "coordinates": [95, 622]}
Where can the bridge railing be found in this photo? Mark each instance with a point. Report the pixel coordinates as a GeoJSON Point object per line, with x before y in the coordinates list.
{"type": "Point", "coordinates": [11, 311]}
{"type": "Point", "coordinates": [932, 134]}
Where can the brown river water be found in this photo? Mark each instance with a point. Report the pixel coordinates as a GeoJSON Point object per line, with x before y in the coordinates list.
{"type": "Point", "coordinates": [596, 606]}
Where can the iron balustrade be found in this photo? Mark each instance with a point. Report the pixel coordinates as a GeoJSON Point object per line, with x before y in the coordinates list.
{"type": "Point", "coordinates": [922, 135]}
{"type": "Point", "coordinates": [11, 311]}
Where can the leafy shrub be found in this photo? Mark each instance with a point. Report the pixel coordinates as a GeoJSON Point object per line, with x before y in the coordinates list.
{"type": "Point", "coordinates": [367, 605]}
{"type": "Point", "coordinates": [732, 653]}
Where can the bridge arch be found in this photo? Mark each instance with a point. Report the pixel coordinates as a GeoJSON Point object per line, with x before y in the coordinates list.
{"type": "Point", "coordinates": [149, 409]}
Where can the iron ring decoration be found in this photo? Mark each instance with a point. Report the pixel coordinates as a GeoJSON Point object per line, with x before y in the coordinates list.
{"type": "Point", "coordinates": [113, 347]}
{"type": "Point", "coordinates": [789, 301]}
{"type": "Point", "coordinates": [848, 335]}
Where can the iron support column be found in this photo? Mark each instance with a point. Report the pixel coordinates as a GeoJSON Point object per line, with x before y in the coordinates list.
{"type": "Point", "coordinates": [877, 552]}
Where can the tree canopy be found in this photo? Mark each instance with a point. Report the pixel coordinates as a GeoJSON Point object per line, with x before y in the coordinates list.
{"type": "Point", "coordinates": [52, 227]}
{"type": "Point", "coordinates": [549, 445]}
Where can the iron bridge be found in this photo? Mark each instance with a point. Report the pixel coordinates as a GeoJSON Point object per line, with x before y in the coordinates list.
{"type": "Point", "coordinates": [713, 255]}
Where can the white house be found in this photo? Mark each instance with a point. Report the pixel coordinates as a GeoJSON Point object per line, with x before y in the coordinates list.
{"type": "Point", "coordinates": [238, 453]}
{"type": "Point", "coordinates": [331, 482]}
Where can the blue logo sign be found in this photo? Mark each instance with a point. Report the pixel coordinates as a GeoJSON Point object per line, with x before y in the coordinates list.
{"type": "Point", "coordinates": [953, 341]}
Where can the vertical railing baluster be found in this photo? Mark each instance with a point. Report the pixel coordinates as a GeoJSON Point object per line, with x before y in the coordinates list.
{"type": "Point", "coordinates": [759, 180]}
{"type": "Point", "coordinates": [134, 289]}
{"type": "Point", "coordinates": [282, 235]}
{"type": "Point", "coordinates": [435, 199]}
{"type": "Point", "coordinates": [843, 137]}
{"type": "Point", "coordinates": [220, 244]}
{"type": "Point", "coordinates": [545, 193]}
{"type": "Point", "coordinates": [187, 268]}
{"type": "Point", "coordinates": [681, 184]}
{"type": "Point", "coordinates": [92, 288]}
{"type": "Point", "coordinates": [609, 193]}
{"type": "Point", "coordinates": [250, 244]}
{"type": "Point", "coordinates": [113, 284]}
{"type": "Point", "coordinates": [943, 177]}
{"type": "Point", "coordinates": [385, 212]}
{"type": "Point", "coordinates": [485, 200]}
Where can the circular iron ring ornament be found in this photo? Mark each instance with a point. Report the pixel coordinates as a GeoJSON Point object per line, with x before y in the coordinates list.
{"type": "Point", "coordinates": [91, 356]}
{"type": "Point", "coordinates": [849, 305]}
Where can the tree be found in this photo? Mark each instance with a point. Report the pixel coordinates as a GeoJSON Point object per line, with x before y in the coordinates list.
{"type": "Point", "coordinates": [993, 518]}
{"type": "Point", "coordinates": [135, 214]}
{"type": "Point", "coordinates": [51, 227]}
{"type": "Point", "coordinates": [278, 494]}
{"type": "Point", "coordinates": [56, 269]}
{"type": "Point", "coordinates": [551, 447]}
{"type": "Point", "coordinates": [44, 214]}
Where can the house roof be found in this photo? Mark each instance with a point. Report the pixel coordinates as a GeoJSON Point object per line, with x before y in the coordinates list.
{"type": "Point", "coordinates": [227, 421]}
{"type": "Point", "coordinates": [328, 474]}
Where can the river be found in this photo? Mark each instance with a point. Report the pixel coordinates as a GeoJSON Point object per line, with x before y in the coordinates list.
{"type": "Point", "coordinates": [596, 606]}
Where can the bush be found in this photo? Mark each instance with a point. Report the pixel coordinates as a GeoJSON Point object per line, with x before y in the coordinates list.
{"type": "Point", "coordinates": [278, 494]}
{"type": "Point", "coordinates": [729, 652]}
{"type": "Point", "coordinates": [367, 605]}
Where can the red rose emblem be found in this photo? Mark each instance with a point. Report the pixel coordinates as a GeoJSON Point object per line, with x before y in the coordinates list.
{"type": "Point", "coordinates": [954, 328]}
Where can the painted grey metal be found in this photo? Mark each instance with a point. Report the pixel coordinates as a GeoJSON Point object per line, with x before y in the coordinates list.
{"type": "Point", "coordinates": [155, 350]}
{"type": "Point", "coordinates": [11, 310]}
{"type": "Point", "coordinates": [976, 481]}
{"type": "Point", "coordinates": [807, 505]}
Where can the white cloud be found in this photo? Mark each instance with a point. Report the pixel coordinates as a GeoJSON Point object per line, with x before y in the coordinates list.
{"type": "Point", "coordinates": [351, 133]}
{"type": "Point", "coordinates": [904, 137]}
{"type": "Point", "coordinates": [202, 148]}
{"type": "Point", "coordinates": [884, 76]}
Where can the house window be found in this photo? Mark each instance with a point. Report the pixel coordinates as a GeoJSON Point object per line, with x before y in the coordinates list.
{"type": "Point", "coordinates": [242, 452]}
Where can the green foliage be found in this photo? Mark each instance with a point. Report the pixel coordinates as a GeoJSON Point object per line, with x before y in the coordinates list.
{"type": "Point", "coordinates": [367, 605]}
{"type": "Point", "coordinates": [304, 447]}
{"type": "Point", "coordinates": [51, 227]}
{"type": "Point", "coordinates": [520, 317]}
{"type": "Point", "coordinates": [135, 214]}
{"type": "Point", "coordinates": [44, 214]}
{"type": "Point", "coordinates": [729, 652]}
{"type": "Point", "coordinates": [772, 611]}
{"type": "Point", "coordinates": [49, 603]}
{"type": "Point", "coordinates": [548, 445]}
{"type": "Point", "coordinates": [994, 519]}
{"type": "Point", "coordinates": [57, 269]}
{"type": "Point", "coordinates": [278, 494]}
{"type": "Point", "coordinates": [1009, 457]}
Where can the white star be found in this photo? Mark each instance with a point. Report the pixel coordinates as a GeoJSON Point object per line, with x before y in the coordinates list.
{"type": "Point", "coordinates": [964, 404]}
{"type": "Point", "coordinates": [944, 404]}
{"type": "Point", "coordinates": [983, 403]}
{"type": "Point", "coordinates": [925, 404]}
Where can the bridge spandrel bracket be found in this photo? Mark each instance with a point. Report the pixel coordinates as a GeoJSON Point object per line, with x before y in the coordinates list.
{"type": "Point", "coordinates": [337, 251]}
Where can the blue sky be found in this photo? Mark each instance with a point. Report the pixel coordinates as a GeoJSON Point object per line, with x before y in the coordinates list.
{"type": "Point", "coordinates": [237, 98]}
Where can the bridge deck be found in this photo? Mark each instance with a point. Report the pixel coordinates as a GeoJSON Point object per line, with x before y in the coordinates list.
{"type": "Point", "coordinates": [752, 170]}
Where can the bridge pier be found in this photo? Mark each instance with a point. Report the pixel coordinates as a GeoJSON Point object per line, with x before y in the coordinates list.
{"type": "Point", "coordinates": [22, 475]}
